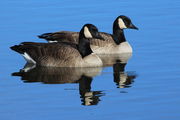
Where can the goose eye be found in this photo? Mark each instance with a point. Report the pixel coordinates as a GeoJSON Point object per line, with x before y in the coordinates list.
{"type": "Point", "coordinates": [94, 29]}
{"type": "Point", "coordinates": [127, 21]}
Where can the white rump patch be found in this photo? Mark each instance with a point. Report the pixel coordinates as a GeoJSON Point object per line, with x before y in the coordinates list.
{"type": "Point", "coordinates": [28, 58]}
{"type": "Point", "coordinates": [52, 41]}
{"type": "Point", "coordinates": [121, 23]}
{"type": "Point", "coordinates": [87, 33]}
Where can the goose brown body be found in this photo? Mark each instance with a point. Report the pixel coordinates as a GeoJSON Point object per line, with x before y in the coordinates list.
{"type": "Point", "coordinates": [62, 54]}
{"type": "Point", "coordinates": [73, 37]}
{"type": "Point", "coordinates": [113, 43]}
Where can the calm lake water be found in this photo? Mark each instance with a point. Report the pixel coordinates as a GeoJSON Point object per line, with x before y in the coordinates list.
{"type": "Point", "coordinates": [144, 86]}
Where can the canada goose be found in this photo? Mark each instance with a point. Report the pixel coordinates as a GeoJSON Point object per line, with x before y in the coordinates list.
{"type": "Point", "coordinates": [113, 44]}
{"type": "Point", "coordinates": [63, 54]}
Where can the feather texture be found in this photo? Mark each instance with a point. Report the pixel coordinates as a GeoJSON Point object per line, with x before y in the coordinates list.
{"type": "Point", "coordinates": [56, 55]}
{"type": "Point", "coordinates": [62, 54]}
{"type": "Point", "coordinates": [112, 44]}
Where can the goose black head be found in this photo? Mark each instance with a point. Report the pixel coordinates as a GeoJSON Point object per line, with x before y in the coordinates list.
{"type": "Point", "coordinates": [123, 22]}
{"type": "Point", "coordinates": [90, 31]}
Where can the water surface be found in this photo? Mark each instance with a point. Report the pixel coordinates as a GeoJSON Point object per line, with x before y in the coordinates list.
{"type": "Point", "coordinates": [143, 87]}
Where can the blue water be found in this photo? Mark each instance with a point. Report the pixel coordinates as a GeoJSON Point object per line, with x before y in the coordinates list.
{"type": "Point", "coordinates": [152, 92]}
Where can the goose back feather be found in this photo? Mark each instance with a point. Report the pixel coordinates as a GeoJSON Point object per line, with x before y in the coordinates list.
{"type": "Point", "coordinates": [113, 43]}
{"type": "Point", "coordinates": [62, 54]}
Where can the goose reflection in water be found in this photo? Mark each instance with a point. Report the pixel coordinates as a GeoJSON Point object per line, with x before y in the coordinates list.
{"type": "Point", "coordinates": [121, 78]}
{"type": "Point", "coordinates": [53, 75]}
{"type": "Point", "coordinates": [119, 61]}
{"type": "Point", "coordinates": [81, 76]}
{"type": "Point", "coordinates": [88, 97]}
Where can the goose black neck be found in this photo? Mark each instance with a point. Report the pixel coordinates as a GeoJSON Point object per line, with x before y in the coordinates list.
{"type": "Point", "coordinates": [84, 45]}
{"type": "Point", "coordinates": [118, 35]}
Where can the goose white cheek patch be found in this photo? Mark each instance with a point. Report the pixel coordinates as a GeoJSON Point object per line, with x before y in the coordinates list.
{"type": "Point", "coordinates": [121, 23]}
{"type": "Point", "coordinates": [87, 33]}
